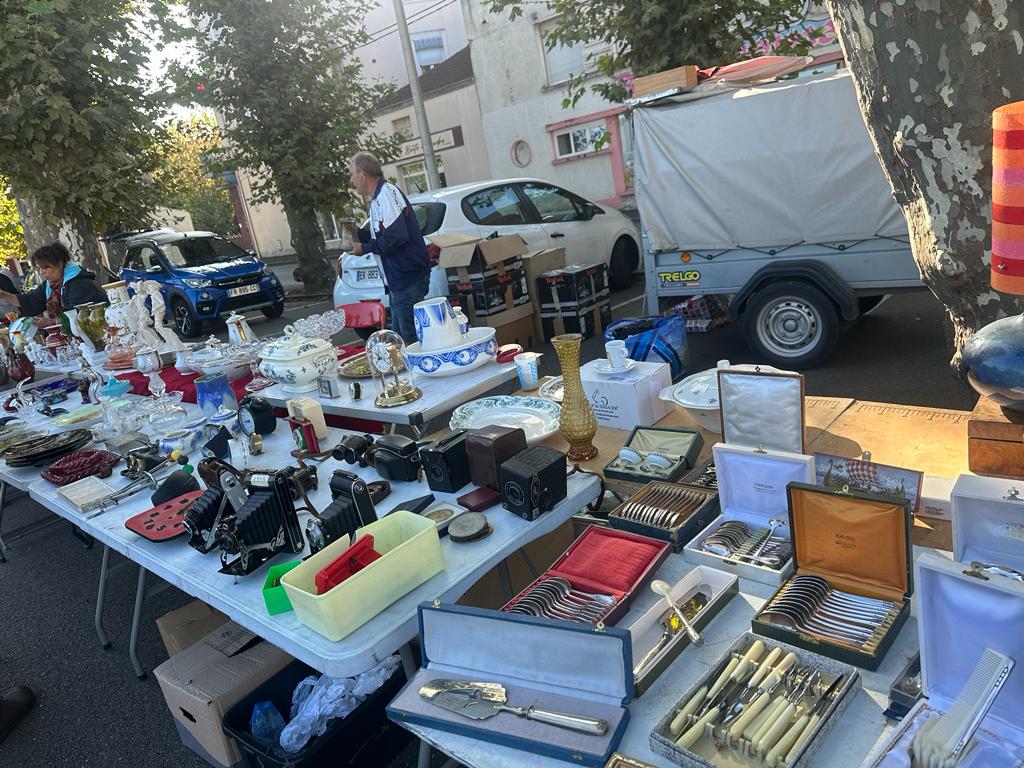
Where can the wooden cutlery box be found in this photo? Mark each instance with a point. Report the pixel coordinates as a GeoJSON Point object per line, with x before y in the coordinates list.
{"type": "Point", "coordinates": [639, 513]}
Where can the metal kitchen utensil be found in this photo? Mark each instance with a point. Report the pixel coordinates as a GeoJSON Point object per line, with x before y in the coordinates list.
{"type": "Point", "coordinates": [480, 701]}
{"type": "Point", "coordinates": [662, 588]}
{"type": "Point", "coordinates": [670, 621]}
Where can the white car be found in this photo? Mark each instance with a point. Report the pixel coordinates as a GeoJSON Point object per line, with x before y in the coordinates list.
{"type": "Point", "coordinates": [544, 215]}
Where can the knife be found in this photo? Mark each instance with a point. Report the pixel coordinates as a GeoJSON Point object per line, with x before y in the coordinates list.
{"type": "Point", "coordinates": [478, 704]}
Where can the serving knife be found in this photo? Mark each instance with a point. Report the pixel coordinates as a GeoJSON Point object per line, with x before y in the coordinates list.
{"type": "Point", "coordinates": [480, 701]}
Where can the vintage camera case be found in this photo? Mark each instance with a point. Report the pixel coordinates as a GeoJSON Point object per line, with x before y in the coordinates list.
{"type": "Point", "coordinates": [446, 463]}
{"type": "Point", "coordinates": [396, 458]}
{"type": "Point", "coordinates": [681, 446]}
{"type": "Point", "coordinates": [488, 448]}
{"type": "Point", "coordinates": [752, 489]}
{"type": "Point", "coordinates": [859, 543]}
{"type": "Point", "coordinates": [763, 408]}
{"type": "Point", "coordinates": [682, 533]}
{"type": "Point", "coordinates": [958, 617]}
{"type": "Point", "coordinates": [527, 656]}
{"type": "Point", "coordinates": [533, 482]}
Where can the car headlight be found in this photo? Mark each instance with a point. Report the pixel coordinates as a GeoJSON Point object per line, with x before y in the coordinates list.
{"type": "Point", "coordinates": [273, 280]}
{"type": "Point", "coordinates": [198, 283]}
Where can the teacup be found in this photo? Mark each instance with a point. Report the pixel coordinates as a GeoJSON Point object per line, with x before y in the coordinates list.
{"type": "Point", "coordinates": [436, 326]}
{"type": "Point", "coordinates": [617, 354]}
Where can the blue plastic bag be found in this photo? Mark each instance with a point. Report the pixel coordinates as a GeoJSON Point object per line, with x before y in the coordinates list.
{"type": "Point", "coordinates": [657, 340]}
{"type": "Point", "coordinates": [266, 723]}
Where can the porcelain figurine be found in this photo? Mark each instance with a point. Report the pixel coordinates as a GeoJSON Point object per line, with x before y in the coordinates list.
{"type": "Point", "coordinates": [144, 321]}
{"type": "Point", "coordinates": [171, 342]}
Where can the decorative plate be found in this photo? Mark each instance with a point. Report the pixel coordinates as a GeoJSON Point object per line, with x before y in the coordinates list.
{"type": "Point", "coordinates": [538, 417]}
{"type": "Point", "coordinates": [80, 417]}
{"type": "Point", "coordinates": [358, 367]}
{"type": "Point", "coordinates": [552, 389]}
{"type": "Point", "coordinates": [45, 449]}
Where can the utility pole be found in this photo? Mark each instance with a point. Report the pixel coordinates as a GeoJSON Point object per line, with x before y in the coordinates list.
{"type": "Point", "coordinates": [429, 159]}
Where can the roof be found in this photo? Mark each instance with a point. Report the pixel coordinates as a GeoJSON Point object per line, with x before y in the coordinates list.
{"type": "Point", "coordinates": [471, 186]}
{"type": "Point", "coordinates": [454, 72]}
{"type": "Point", "coordinates": [161, 236]}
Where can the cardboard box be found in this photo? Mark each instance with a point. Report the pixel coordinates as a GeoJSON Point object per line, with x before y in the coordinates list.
{"type": "Point", "coordinates": [491, 296]}
{"type": "Point", "coordinates": [669, 79]}
{"type": "Point", "coordinates": [485, 276]}
{"type": "Point", "coordinates": [572, 286]}
{"type": "Point", "coordinates": [184, 626]}
{"type": "Point", "coordinates": [590, 321]}
{"type": "Point", "coordinates": [629, 399]}
{"type": "Point", "coordinates": [519, 331]}
{"type": "Point", "coordinates": [203, 681]}
{"type": "Point", "coordinates": [935, 498]}
{"type": "Point", "coordinates": [536, 264]}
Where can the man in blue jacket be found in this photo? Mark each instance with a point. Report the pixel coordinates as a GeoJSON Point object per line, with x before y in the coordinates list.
{"type": "Point", "coordinates": [394, 235]}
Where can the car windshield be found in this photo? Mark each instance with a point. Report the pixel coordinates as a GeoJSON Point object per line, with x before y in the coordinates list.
{"type": "Point", "coordinates": [200, 251]}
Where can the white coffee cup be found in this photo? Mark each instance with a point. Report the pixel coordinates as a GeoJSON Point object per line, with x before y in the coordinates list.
{"type": "Point", "coordinates": [617, 354]}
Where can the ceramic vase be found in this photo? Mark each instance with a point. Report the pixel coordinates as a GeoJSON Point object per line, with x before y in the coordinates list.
{"type": "Point", "coordinates": [214, 392]}
{"type": "Point", "coordinates": [578, 423]}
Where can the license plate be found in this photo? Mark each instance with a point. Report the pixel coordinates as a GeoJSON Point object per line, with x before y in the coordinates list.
{"type": "Point", "coordinates": [363, 275]}
{"type": "Point", "coordinates": [242, 290]}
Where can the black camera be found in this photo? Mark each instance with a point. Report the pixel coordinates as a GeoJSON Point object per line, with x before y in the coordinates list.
{"type": "Point", "coordinates": [351, 508]}
{"type": "Point", "coordinates": [352, 449]}
{"type": "Point", "coordinates": [395, 457]}
{"type": "Point", "coordinates": [446, 463]}
{"type": "Point", "coordinates": [533, 482]}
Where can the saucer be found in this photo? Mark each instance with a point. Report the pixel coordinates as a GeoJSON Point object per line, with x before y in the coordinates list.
{"type": "Point", "coordinates": [605, 367]}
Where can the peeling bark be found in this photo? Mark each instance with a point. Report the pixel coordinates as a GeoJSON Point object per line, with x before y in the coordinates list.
{"type": "Point", "coordinates": [41, 228]}
{"type": "Point", "coordinates": [928, 75]}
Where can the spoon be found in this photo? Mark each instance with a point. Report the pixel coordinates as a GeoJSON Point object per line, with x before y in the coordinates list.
{"type": "Point", "coordinates": [662, 588]}
{"type": "Point", "coordinates": [773, 524]}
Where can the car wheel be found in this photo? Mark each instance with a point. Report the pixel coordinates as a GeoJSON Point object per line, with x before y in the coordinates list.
{"type": "Point", "coordinates": [791, 324]}
{"type": "Point", "coordinates": [185, 320]}
{"type": "Point", "coordinates": [274, 310]}
{"type": "Point", "coordinates": [621, 264]}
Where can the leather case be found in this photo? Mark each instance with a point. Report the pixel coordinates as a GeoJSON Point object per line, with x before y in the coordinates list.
{"type": "Point", "coordinates": [479, 499]}
{"type": "Point", "coordinates": [680, 446]}
{"type": "Point", "coordinates": [488, 448]}
{"type": "Point", "coordinates": [527, 656]}
{"type": "Point", "coordinates": [857, 542]}
{"type": "Point", "coordinates": [763, 408]}
{"type": "Point", "coordinates": [606, 562]}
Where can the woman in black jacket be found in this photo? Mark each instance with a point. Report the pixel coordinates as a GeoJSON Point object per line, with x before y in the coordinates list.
{"type": "Point", "coordinates": [65, 285]}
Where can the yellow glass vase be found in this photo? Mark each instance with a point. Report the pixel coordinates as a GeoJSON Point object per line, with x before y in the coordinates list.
{"type": "Point", "coordinates": [578, 423]}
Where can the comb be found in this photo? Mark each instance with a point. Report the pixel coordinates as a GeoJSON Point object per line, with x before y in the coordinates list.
{"type": "Point", "coordinates": [942, 743]}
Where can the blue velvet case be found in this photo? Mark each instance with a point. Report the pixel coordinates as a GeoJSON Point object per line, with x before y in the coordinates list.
{"type": "Point", "coordinates": [560, 666]}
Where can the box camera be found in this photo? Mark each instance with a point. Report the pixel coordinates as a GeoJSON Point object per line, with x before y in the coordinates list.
{"type": "Point", "coordinates": [533, 482]}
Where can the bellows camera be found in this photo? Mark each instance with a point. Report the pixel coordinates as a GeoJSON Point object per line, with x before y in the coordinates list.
{"type": "Point", "coordinates": [533, 482]}
{"type": "Point", "coordinates": [351, 508]}
{"type": "Point", "coordinates": [446, 463]}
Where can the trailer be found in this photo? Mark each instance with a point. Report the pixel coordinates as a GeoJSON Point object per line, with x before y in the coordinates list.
{"type": "Point", "coordinates": [773, 195]}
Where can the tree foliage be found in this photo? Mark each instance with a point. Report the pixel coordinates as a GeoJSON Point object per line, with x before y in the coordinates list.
{"type": "Point", "coordinates": [647, 36]}
{"type": "Point", "coordinates": [12, 237]}
{"type": "Point", "coordinates": [294, 106]}
{"type": "Point", "coordinates": [185, 178]}
{"type": "Point", "coordinates": [76, 121]}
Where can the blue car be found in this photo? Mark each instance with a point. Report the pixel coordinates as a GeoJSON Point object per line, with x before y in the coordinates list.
{"type": "Point", "coordinates": [202, 277]}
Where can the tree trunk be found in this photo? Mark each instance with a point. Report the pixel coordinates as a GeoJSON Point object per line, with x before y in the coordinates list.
{"type": "Point", "coordinates": [314, 270]}
{"type": "Point", "coordinates": [928, 75]}
{"type": "Point", "coordinates": [42, 228]}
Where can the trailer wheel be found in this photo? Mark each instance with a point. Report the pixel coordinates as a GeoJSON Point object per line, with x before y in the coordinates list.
{"type": "Point", "coordinates": [791, 324]}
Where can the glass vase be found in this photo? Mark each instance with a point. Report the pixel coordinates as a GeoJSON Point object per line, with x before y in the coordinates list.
{"type": "Point", "coordinates": [578, 423]}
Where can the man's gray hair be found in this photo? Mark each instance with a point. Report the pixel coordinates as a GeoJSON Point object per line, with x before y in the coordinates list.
{"type": "Point", "coordinates": [368, 164]}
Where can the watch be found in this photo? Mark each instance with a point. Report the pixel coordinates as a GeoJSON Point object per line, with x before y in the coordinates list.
{"type": "Point", "coordinates": [256, 414]}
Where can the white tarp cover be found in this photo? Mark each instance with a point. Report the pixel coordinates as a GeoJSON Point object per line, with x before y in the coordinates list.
{"type": "Point", "coordinates": [770, 165]}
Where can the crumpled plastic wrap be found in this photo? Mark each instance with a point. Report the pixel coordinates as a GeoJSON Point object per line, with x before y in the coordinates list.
{"type": "Point", "coordinates": [316, 701]}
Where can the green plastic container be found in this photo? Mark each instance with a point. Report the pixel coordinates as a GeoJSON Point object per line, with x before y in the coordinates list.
{"type": "Point", "coordinates": [274, 596]}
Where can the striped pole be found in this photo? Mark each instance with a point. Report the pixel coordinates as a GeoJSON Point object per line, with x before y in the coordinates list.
{"type": "Point", "coordinates": [1008, 198]}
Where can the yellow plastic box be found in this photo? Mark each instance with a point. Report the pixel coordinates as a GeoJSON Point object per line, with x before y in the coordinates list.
{"type": "Point", "coordinates": [410, 554]}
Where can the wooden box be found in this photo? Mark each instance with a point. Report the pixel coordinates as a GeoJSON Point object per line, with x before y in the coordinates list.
{"type": "Point", "coordinates": [995, 441]}
{"type": "Point", "coordinates": [680, 77]}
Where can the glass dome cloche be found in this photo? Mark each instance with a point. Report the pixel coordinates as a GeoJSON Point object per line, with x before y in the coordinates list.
{"type": "Point", "coordinates": [385, 351]}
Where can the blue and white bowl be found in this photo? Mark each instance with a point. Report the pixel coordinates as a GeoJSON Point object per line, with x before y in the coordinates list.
{"type": "Point", "coordinates": [477, 347]}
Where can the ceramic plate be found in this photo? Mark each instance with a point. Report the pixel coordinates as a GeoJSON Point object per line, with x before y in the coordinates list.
{"type": "Point", "coordinates": [80, 417]}
{"type": "Point", "coordinates": [552, 390]}
{"type": "Point", "coordinates": [358, 367]}
{"type": "Point", "coordinates": [538, 417]}
{"type": "Point", "coordinates": [605, 367]}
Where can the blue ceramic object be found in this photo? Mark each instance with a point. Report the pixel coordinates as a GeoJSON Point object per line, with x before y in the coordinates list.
{"type": "Point", "coordinates": [478, 348]}
{"type": "Point", "coordinates": [214, 392]}
{"type": "Point", "coordinates": [994, 360]}
{"type": "Point", "coordinates": [114, 388]}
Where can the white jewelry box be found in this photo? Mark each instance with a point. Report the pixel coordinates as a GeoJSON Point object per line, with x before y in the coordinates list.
{"type": "Point", "coordinates": [958, 617]}
{"type": "Point", "coordinates": [988, 521]}
{"type": "Point", "coordinates": [752, 489]}
{"type": "Point", "coordinates": [762, 408]}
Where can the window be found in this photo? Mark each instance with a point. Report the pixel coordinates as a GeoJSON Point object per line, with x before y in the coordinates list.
{"type": "Point", "coordinates": [428, 48]}
{"type": "Point", "coordinates": [429, 216]}
{"type": "Point", "coordinates": [414, 176]}
{"type": "Point", "coordinates": [141, 257]}
{"type": "Point", "coordinates": [403, 125]}
{"type": "Point", "coordinates": [553, 204]}
{"type": "Point", "coordinates": [578, 140]}
{"type": "Point", "coordinates": [495, 206]}
{"type": "Point", "coordinates": [562, 60]}
{"type": "Point", "coordinates": [198, 251]}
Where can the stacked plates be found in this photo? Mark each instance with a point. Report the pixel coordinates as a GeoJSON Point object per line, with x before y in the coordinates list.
{"type": "Point", "coordinates": [45, 449]}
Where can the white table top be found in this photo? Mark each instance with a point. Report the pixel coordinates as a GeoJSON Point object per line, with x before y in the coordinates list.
{"type": "Point", "coordinates": [862, 726]}
{"type": "Point", "coordinates": [197, 574]}
{"type": "Point", "coordinates": [439, 395]}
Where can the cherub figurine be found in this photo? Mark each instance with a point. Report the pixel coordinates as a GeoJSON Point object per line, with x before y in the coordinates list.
{"type": "Point", "coordinates": [171, 342]}
{"type": "Point", "coordinates": [137, 309]}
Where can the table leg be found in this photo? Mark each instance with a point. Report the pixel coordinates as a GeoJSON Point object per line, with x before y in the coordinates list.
{"type": "Point", "coordinates": [3, 499]}
{"type": "Point", "coordinates": [101, 593]}
{"type": "Point", "coordinates": [140, 598]}
{"type": "Point", "coordinates": [409, 665]}
{"type": "Point", "coordinates": [505, 580]}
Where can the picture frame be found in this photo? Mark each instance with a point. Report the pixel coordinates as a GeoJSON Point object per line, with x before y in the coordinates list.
{"type": "Point", "coordinates": [833, 471]}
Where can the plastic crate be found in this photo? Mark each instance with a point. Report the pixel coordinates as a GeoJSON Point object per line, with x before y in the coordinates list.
{"type": "Point", "coordinates": [364, 739]}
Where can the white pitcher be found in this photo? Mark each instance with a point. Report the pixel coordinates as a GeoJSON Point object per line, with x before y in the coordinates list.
{"type": "Point", "coordinates": [436, 326]}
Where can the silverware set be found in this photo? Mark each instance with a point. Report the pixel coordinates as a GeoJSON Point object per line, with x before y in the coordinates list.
{"type": "Point", "coordinates": [766, 708]}
{"type": "Point", "coordinates": [555, 598]}
{"type": "Point", "coordinates": [736, 540]}
{"type": "Point", "coordinates": [707, 479]}
{"type": "Point", "coordinates": [809, 604]}
{"type": "Point", "coordinates": [662, 506]}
